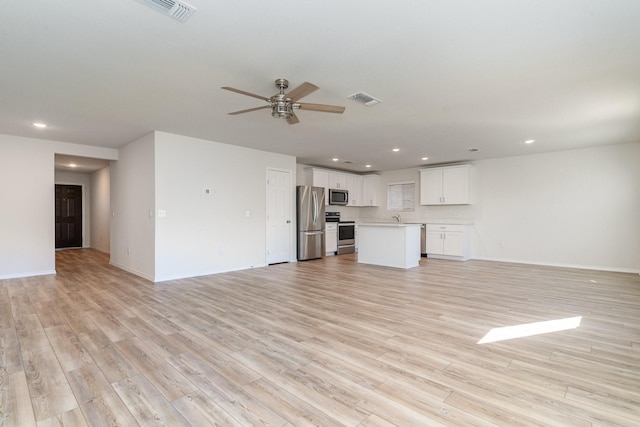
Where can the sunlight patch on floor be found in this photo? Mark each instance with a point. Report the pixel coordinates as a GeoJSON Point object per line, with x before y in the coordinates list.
{"type": "Point", "coordinates": [529, 329]}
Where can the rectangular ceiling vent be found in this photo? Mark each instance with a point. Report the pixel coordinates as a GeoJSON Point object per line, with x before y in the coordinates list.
{"type": "Point", "coordinates": [365, 99]}
{"type": "Point", "coordinates": [175, 9]}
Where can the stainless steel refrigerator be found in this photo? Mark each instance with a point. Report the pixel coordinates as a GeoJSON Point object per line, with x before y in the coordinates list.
{"type": "Point", "coordinates": [310, 219]}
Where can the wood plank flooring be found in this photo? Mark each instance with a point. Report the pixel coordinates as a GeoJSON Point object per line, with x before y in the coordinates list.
{"type": "Point", "coordinates": [318, 343]}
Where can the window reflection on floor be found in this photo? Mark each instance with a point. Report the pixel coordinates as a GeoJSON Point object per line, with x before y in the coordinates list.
{"type": "Point", "coordinates": [529, 329]}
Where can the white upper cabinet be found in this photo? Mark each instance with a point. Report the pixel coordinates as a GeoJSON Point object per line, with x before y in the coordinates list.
{"type": "Point", "coordinates": [319, 178]}
{"type": "Point", "coordinates": [354, 185]}
{"type": "Point", "coordinates": [370, 184]}
{"type": "Point", "coordinates": [338, 180]}
{"type": "Point", "coordinates": [450, 185]}
{"type": "Point", "coordinates": [363, 189]}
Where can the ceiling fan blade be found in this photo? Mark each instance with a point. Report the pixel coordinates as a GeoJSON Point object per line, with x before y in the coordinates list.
{"type": "Point", "coordinates": [264, 98]}
{"type": "Point", "coordinates": [249, 110]}
{"type": "Point", "coordinates": [321, 107]}
{"type": "Point", "coordinates": [293, 119]}
{"type": "Point", "coordinates": [301, 91]}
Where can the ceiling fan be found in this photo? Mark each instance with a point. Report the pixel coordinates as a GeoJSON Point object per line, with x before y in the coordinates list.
{"type": "Point", "coordinates": [282, 104]}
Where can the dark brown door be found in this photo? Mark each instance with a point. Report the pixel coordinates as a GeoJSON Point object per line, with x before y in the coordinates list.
{"type": "Point", "coordinates": [68, 216]}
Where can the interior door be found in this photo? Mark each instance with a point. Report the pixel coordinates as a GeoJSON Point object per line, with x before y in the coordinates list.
{"type": "Point", "coordinates": [68, 216]}
{"type": "Point", "coordinates": [279, 223]}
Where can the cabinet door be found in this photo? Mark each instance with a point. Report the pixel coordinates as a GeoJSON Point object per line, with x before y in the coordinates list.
{"type": "Point", "coordinates": [331, 238]}
{"type": "Point", "coordinates": [452, 244]}
{"type": "Point", "coordinates": [337, 180]}
{"type": "Point", "coordinates": [354, 185]}
{"type": "Point", "coordinates": [321, 179]}
{"type": "Point", "coordinates": [434, 242]}
{"type": "Point", "coordinates": [431, 186]}
{"type": "Point", "coordinates": [370, 190]}
{"type": "Point", "coordinates": [455, 185]}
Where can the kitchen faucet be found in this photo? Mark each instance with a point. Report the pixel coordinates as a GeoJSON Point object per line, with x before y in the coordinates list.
{"type": "Point", "coordinates": [397, 218]}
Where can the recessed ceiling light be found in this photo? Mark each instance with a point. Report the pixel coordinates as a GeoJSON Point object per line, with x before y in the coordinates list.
{"type": "Point", "coordinates": [425, 158]}
{"type": "Point", "coordinates": [335, 159]}
{"type": "Point", "coordinates": [367, 166]}
{"type": "Point", "coordinates": [395, 150]}
{"type": "Point", "coordinates": [40, 125]}
{"type": "Point", "coordinates": [530, 141]}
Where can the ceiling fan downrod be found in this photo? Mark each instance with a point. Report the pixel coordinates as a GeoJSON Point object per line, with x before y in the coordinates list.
{"type": "Point", "coordinates": [281, 107]}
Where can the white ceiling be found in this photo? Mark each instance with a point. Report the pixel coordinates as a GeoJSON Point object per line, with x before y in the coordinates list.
{"type": "Point", "coordinates": [78, 164]}
{"type": "Point", "coordinates": [452, 75]}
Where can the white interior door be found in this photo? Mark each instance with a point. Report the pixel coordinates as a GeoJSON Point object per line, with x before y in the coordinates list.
{"type": "Point", "coordinates": [279, 215]}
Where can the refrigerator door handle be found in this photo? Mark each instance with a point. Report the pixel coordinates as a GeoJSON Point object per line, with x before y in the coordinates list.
{"type": "Point", "coordinates": [315, 207]}
{"type": "Point", "coordinates": [313, 233]}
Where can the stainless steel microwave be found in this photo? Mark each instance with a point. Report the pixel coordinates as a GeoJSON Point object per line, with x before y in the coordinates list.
{"type": "Point", "coordinates": [338, 197]}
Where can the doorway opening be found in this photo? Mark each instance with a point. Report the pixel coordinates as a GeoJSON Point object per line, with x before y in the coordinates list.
{"type": "Point", "coordinates": [68, 208]}
{"type": "Point", "coordinates": [93, 209]}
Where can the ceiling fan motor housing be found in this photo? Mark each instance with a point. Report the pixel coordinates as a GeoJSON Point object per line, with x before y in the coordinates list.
{"type": "Point", "coordinates": [281, 106]}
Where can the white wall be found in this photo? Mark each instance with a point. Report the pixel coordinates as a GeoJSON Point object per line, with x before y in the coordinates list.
{"type": "Point", "coordinates": [572, 208]}
{"type": "Point", "coordinates": [101, 210]}
{"type": "Point", "coordinates": [26, 218]}
{"type": "Point", "coordinates": [27, 214]}
{"type": "Point", "coordinates": [205, 234]}
{"type": "Point", "coordinates": [132, 244]}
{"type": "Point", "coordinates": [83, 180]}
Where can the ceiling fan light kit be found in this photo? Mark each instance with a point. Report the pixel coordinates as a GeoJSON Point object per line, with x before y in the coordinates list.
{"type": "Point", "coordinates": [282, 104]}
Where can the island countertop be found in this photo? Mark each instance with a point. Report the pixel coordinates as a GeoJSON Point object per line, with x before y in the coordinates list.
{"type": "Point", "coordinates": [389, 224]}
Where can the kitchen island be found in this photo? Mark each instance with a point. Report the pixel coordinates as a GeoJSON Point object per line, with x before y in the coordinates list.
{"type": "Point", "coordinates": [389, 244]}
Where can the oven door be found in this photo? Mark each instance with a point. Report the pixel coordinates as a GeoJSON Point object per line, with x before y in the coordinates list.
{"type": "Point", "coordinates": [346, 234]}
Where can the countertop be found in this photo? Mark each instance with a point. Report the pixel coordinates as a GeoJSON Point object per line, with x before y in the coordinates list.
{"type": "Point", "coordinates": [451, 221]}
{"type": "Point", "coordinates": [389, 224]}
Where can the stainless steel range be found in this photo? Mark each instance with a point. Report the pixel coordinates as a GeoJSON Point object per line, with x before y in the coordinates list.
{"type": "Point", "coordinates": [346, 233]}
{"type": "Point", "coordinates": [346, 237]}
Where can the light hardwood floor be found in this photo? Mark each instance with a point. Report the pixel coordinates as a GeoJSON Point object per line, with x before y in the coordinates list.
{"type": "Point", "coordinates": [327, 342]}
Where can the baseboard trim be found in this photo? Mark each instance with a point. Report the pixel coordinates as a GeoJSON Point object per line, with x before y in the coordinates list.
{"type": "Point", "coordinates": [27, 274]}
{"type": "Point", "coordinates": [132, 271]}
{"type": "Point", "coordinates": [210, 273]}
{"type": "Point", "coordinates": [578, 266]}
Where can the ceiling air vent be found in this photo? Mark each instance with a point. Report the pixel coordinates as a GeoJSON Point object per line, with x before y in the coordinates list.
{"type": "Point", "coordinates": [175, 9]}
{"type": "Point", "coordinates": [365, 99]}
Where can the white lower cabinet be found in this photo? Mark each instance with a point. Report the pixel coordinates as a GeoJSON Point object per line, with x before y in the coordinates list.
{"type": "Point", "coordinates": [448, 241]}
{"type": "Point", "coordinates": [331, 238]}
